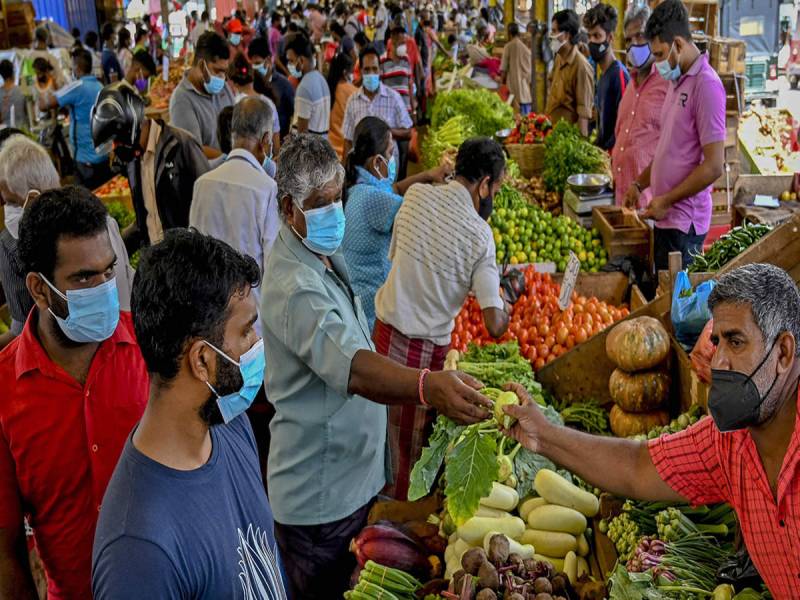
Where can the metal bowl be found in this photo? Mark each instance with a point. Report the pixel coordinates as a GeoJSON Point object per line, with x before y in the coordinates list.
{"type": "Point", "coordinates": [502, 134]}
{"type": "Point", "coordinates": [588, 183]}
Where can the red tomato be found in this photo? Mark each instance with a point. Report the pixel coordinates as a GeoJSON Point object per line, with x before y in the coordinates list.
{"type": "Point", "coordinates": [523, 338]}
{"type": "Point", "coordinates": [540, 362]}
{"type": "Point", "coordinates": [581, 335]}
{"type": "Point", "coordinates": [550, 341]}
{"type": "Point", "coordinates": [543, 350]}
{"type": "Point", "coordinates": [570, 342]}
{"type": "Point", "coordinates": [562, 334]}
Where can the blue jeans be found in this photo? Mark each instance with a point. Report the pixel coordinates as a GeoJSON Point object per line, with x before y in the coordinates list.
{"type": "Point", "coordinates": [525, 109]}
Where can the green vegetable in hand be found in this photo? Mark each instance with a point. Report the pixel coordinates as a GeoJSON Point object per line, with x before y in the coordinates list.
{"type": "Point", "coordinates": [505, 399]}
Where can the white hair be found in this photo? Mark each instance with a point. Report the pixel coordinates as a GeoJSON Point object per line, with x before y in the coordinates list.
{"type": "Point", "coordinates": [25, 166]}
{"type": "Point", "coordinates": [307, 162]}
{"type": "Point", "coordinates": [637, 13]}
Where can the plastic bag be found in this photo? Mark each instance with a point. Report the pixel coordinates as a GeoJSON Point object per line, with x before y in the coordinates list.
{"type": "Point", "coordinates": [690, 313]}
{"type": "Point", "coordinates": [702, 354]}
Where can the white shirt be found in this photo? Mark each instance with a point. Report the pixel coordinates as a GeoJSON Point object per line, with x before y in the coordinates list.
{"type": "Point", "coordinates": [238, 203]}
{"type": "Point", "coordinates": [441, 250]}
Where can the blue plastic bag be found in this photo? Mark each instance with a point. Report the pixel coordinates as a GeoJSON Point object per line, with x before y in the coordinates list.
{"type": "Point", "coordinates": [690, 314]}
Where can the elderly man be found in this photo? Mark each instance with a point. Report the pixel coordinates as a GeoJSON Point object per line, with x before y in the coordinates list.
{"type": "Point", "coordinates": [26, 171]}
{"type": "Point", "coordinates": [238, 202]}
{"type": "Point", "coordinates": [328, 458]}
{"type": "Point", "coordinates": [638, 126]}
{"type": "Point", "coordinates": [745, 454]}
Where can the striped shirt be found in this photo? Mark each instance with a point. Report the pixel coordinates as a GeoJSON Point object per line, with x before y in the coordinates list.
{"type": "Point", "coordinates": [441, 250]}
{"type": "Point", "coordinates": [12, 280]}
{"type": "Point", "coordinates": [313, 102]}
{"type": "Point", "coordinates": [387, 105]}
{"type": "Point", "coordinates": [397, 75]}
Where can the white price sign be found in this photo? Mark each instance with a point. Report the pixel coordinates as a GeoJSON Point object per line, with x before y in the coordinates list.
{"type": "Point", "coordinates": [568, 283]}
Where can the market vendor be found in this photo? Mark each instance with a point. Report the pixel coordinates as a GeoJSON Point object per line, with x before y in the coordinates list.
{"type": "Point", "coordinates": [691, 157]}
{"type": "Point", "coordinates": [441, 250]}
{"type": "Point", "coordinates": [328, 457]}
{"type": "Point", "coordinates": [142, 68]}
{"type": "Point", "coordinates": [746, 454]}
{"type": "Point", "coordinates": [638, 126]}
{"type": "Point", "coordinates": [571, 91]}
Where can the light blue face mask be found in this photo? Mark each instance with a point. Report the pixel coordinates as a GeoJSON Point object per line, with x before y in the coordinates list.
{"type": "Point", "coordinates": [371, 82]}
{"type": "Point", "coordinates": [251, 365]}
{"type": "Point", "coordinates": [666, 70]}
{"type": "Point", "coordinates": [261, 69]}
{"type": "Point", "coordinates": [93, 313]}
{"type": "Point", "coordinates": [324, 228]}
{"type": "Point", "coordinates": [294, 71]}
{"type": "Point", "coordinates": [215, 84]}
{"type": "Point", "coordinates": [391, 170]}
{"type": "Point", "coordinates": [235, 39]}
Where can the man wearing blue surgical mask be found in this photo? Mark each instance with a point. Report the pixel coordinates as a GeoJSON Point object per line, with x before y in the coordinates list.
{"type": "Point", "coordinates": [312, 102]}
{"type": "Point", "coordinates": [188, 482]}
{"type": "Point", "coordinates": [74, 384]}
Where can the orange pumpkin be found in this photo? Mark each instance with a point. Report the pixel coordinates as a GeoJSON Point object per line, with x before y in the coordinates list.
{"type": "Point", "coordinates": [625, 424]}
{"type": "Point", "coordinates": [639, 392]}
{"type": "Point", "coordinates": [637, 344]}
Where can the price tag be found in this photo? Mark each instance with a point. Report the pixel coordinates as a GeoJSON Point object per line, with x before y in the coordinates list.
{"type": "Point", "coordinates": [570, 278]}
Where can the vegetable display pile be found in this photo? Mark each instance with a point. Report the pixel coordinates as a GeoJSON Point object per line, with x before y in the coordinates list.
{"type": "Point", "coordinates": [484, 109]}
{"type": "Point", "coordinates": [568, 153]}
{"type": "Point", "coordinates": [728, 247]}
{"type": "Point", "coordinates": [377, 582]}
{"type": "Point", "coordinates": [531, 129]}
{"type": "Point", "coordinates": [120, 213]}
{"type": "Point", "coordinates": [114, 186]}
{"type": "Point", "coordinates": [679, 423]}
{"type": "Point", "coordinates": [525, 233]}
{"type": "Point", "coordinates": [587, 416]}
{"type": "Point", "coordinates": [497, 364]}
{"type": "Point", "coordinates": [543, 331]}
{"type": "Point", "coordinates": [445, 140]}
{"type": "Point", "coordinates": [533, 189]}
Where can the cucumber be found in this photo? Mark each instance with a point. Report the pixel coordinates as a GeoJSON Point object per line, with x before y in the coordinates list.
{"type": "Point", "coordinates": [557, 518]}
{"type": "Point", "coordinates": [583, 546]}
{"type": "Point", "coordinates": [571, 567]}
{"type": "Point", "coordinates": [550, 543]}
{"type": "Point", "coordinates": [528, 505]}
{"type": "Point", "coordinates": [557, 490]}
{"type": "Point", "coordinates": [474, 530]}
{"type": "Point", "coordinates": [501, 497]}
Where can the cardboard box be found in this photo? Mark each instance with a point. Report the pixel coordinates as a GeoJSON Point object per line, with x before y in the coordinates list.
{"type": "Point", "coordinates": [726, 55]}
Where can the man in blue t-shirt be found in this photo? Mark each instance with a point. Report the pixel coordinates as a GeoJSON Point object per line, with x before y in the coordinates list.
{"type": "Point", "coordinates": [185, 514]}
{"type": "Point", "coordinates": [601, 23]}
{"type": "Point", "coordinates": [79, 97]}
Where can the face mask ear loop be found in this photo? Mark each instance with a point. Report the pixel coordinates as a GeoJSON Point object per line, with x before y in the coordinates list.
{"type": "Point", "coordinates": [761, 364]}
{"type": "Point", "coordinates": [220, 352]}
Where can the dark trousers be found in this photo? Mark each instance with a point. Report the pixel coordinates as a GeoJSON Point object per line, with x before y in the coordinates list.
{"type": "Point", "coordinates": [92, 176]}
{"type": "Point", "coordinates": [674, 240]}
{"type": "Point", "coordinates": [402, 159]}
{"type": "Point", "coordinates": [317, 558]}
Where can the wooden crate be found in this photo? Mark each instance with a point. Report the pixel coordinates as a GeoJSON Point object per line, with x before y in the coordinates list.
{"type": "Point", "coordinates": [613, 287]}
{"type": "Point", "coordinates": [622, 233]}
{"type": "Point", "coordinates": [703, 16]}
{"type": "Point", "coordinates": [726, 55]}
{"type": "Point", "coordinates": [20, 15]}
{"type": "Point", "coordinates": [734, 92]}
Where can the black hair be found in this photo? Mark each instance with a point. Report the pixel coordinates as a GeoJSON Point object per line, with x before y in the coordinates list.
{"type": "Point", "coordinates": [367, 51]}
{"type": "Point", "coordinates": [123, 36]}
{"type": "Point", "coordinates": [601, 15]}
{"type": "Point", "coordinates": [369, 138]}
{"type": "Point", "coordinates": [240, 70]}
{"type": "Point", "coordinates": [480, 157]}
{"type": "Point", "coordinates": [204, 16]}
{"type": "Point", "coordinates": [143, 58]}
{"type": "Point", "coordinates": [140, 33]}
{"type": "Point", "coordinates": [337, 29]}
{"type": "Point", "coordinates": [513, 30]}
{"type": "Point", "coordinates": [6, 69]}
{"type": "Point", "coordinates": [361, 39]}
{"type": "Point", "coordinates": [669, 20]}
{"type": "Point", "coordinates": [259, 47]}
{"type": "Point", "coordinates": [211, 47]}
{"type": "Point", "coordinates": [300, 45]}
{"type": "Point", "coordinates": [340, 66]}
{"type": "Point", "coordinates": [71, 211]}
{"type": "Point", "coordinates": [567, 21]}
{"type": "Point", "coordinates": [42, 35]}
{"type": "Point", "coordinates": [224, 134]}
{"type": "Point", "coordinates": [107, 31]}
{"type": "Point", "coordinates": [76, 33]}
{"type": "Point", "coordinates": [91, 39]}
{"type": "Point", "coordinates": [9, 132]}
{"type": "Point", "coordinates": [182, 292]}
{"type": "Point", "coordinates": [83, 60]}
{"type": "Point", "coordinates": [42, 65]}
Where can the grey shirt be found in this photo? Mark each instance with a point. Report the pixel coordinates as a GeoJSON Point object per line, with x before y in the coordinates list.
{"type": "Point", "coordinates": [13, 98]}
{"type": "Point", "coordinates": [197, 112]}
{"type": "Point", "coordinates": [328, 454]}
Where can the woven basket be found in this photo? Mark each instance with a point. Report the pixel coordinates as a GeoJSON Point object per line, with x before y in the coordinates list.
{"type": "Point", "coordinates": [529, 157]}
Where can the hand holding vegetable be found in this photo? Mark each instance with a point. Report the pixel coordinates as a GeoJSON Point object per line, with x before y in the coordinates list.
{"type": "Point", "coordinates": [530, 419]}
{"type": "Point", "coordinates": [455, 395]}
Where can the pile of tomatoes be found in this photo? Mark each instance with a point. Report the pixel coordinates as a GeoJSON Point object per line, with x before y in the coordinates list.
{"type": "Point", "coordinates": [543, 330]}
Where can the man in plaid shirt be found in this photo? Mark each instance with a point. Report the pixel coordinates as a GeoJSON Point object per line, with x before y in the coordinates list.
{"type": "Point", "coordinates": [746, 454]}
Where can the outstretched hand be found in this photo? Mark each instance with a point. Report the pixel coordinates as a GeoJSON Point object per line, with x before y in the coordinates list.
{"type": "Point", "coordinates": [455, 395]}
{"type": "Point", "coordinates": [530, 420]}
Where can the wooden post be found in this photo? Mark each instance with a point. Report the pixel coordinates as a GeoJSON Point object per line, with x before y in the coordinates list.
{"type": "Point", "coordinates": [675, 265]}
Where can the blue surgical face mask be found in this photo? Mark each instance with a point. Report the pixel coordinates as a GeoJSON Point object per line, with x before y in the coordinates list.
{"type": "Point", "coordinates": [261, 69]}
{"type": "Point", "coordinates": [251, 365]}
{"type": "Point", "coordinates": [666, 70]}
{"type": "Point", "coordinates": [324, 228]}
{"type": "Point", "coordinates": [391, 169]}
{"type": "Point", "coordinates": [93, 313]}
{"type": "Point", "coordinates": [215, 84]}
{"type": "Point", "coordinates": [294, 71]}
{"type": "Point", "coordinates": [638, 55]}
{"type": "Point", "coordinates": [235, 39]}
{"type": "Point", "coordinates": [371, 82]}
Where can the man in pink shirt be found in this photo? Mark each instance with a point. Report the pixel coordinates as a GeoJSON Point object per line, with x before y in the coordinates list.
{"type": "Point", "coordinates": [690, 158]}
{"type": "Point", "coordinates": [639, 117]}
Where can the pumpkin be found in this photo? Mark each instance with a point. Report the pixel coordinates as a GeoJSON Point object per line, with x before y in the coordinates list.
{"type": "Point", "coordinates": [639, 392]}
{"type": "Point", "coordinates": [637, 344]}
{"type": "Point", "coordinates": [626, 424]}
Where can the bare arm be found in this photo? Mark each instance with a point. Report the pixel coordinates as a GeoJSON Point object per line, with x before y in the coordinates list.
{"type": "Point", "coordinates": [401, 134]}
{"type": "Point", "coordinates": [436, 175]}
{"type": "Point", "coordinates": [211, 152]}
{"type": "Point", "coordinates": [16, 581]}
{"type": "Point", "coordinates": [496, 321]}
{"type": "Point", "coordinates": [302, 125]}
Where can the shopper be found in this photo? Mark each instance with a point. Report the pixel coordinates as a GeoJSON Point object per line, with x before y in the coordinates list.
{"type": "Point", "coordinates": [237, 202]}
{"type": "Point", "coordinates": [79, 97]}
{"type": "Point", "coordinates": [74, 383]}
{"type": "Point", "coordinates": [344, 43]}
{"type": "Point", "coordinates": [41, 50]}
{"type": "Point", "coordinates": [271, 83]}
{"type": "Point", "coordinates": [13, 111]}
{"type": "Point", "coordinates": [312, 102]}
{"type": "Point", "coordinates": [321, 376]}
{"type": "Point", "coordinates": [340, 84]}
{"type": "Point", "coordinates": [242, 76]}
{"type": "Point", "coordinates": [112, 70]}
{"type": "Point", "coordinates": [186, 514]}
{"type": "Point", "coordinates": [234, 30]}
{"type": "Point", "coordinates": [202, 92]}
{"type": "Point", "coordinates": [317, 21]}
{"type": "Point", "coordinates": [124, 52]}
{"type": "Point", "coordinates": [199, 29]}
{"type": "Point", "coordinates": [516, 70]}
{"type": "Point", "coordinates": [141, 40]}
{"type": "Point", "coordinates": [639, 121]}
{"type": "Point", "coordinates": [378, 100]}
{"type": "Point", "coordinates": [431, 276]}
{"type": "Point", "coordinates": [141, 69]}
{"type": "Point", "coordinates": [690, 159]}
{"type": "Point", "coordinates": [571, 90]}
{"type": "Point", "coordinates": [373, 199]}
{"type": "Point", "coordinates": [163, 162]}
{"type": "Point", "coordinates": [745, 454]}
{"type": "Point", "coordinates": [381, 21]}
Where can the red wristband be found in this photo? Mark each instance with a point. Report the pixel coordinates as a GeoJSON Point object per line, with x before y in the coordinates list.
{"type": "Point", "coordinates": [422, 375]}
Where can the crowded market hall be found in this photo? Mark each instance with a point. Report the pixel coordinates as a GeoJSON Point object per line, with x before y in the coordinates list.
{"type": "Point", "coordinates": [399, 300]}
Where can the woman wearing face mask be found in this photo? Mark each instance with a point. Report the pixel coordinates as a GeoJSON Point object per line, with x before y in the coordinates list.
{"type": "Point", "coordinates": [242, 76]}
{"type": "Point", "coordinates": [373, 199]}
{"type": "Point", "coordinates": [340, 83]}
{"type": "Point", "coordinates": [141, 69]}
{"type": "Point", "coordinates": [124, 53]}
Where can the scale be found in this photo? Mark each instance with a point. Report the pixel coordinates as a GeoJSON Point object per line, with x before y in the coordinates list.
{"type": "Point", "coordinates": [583, 193]}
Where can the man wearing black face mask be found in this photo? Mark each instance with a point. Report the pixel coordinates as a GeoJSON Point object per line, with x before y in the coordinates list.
{"type": "Point", "coordinates": [746, 454]}
{"type": "Point", "coordinates": [162, 162]}
{"type": "Point", "coordinates": [601, 23]}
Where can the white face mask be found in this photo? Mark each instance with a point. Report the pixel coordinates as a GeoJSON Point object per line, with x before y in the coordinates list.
{"type": "Point", "coordinates": [402, 51]}
{"type": "Point", "coordinates": [13, 215]}
{"type": "Point", "coordinates": [556, 43]}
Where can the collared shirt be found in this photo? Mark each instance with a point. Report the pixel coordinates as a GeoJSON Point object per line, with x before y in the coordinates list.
{"type": "Point", "coordinates": [398, 75]}
{"type": "Point", "coordinates": [155, 230]}
{"type": "Point", "coordinates": [571, 92]}
{"type": "Point", "coordinates": [80, 96]}
{"type": "Point", "coordinates": [694, 115]}
{"type": "Point", "coordinates": [197, 112]}
{"type": "Point", "coordinates": [516, 64]}
{"type": "Point", "coordinates": [344, 90]}
{"type": "Point", "coordinates": [441, 250]}
{"type": "Point", "coordinates": [386, 105]}
{"type": "Point", "coordinates": [706, 467]}
{"type": "Point", "coordinates": [59, 443]}
{"type": "Point", "coordinates": [328, 455]}
{"type": "Point", "coordinates": [238, 203]}
{"type": "Point", "coordinates": [637, 132]}
{"type": "Point", "coordinates": [312, 102]}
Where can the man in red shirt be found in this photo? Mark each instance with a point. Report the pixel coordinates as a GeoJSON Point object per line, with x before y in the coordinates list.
{"type": "Point", "coordinates": [746, 454]}
{"type": "Point", "coordinates": [74, 384]}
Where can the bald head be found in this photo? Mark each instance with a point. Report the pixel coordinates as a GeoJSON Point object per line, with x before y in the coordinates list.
{"type": "Point", "coordinates": [252, 120]}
